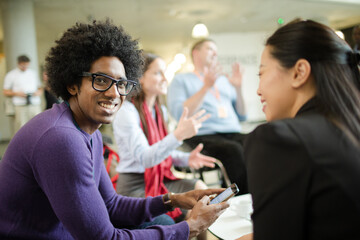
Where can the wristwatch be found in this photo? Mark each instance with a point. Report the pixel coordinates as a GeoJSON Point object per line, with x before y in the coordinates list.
{"type": "Point", "coordinates": [167, 201]}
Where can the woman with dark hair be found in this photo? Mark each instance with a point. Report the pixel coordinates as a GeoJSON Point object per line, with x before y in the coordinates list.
{"type": "Point", "coordinates": [304, 165]}
{"type": "Point", "coordinates": [146, 151]}
{"type": "Point", "coordinates": [53, 182]}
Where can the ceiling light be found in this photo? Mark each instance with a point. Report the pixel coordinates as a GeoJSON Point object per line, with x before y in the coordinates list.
{"type": "Point", "coordinates": [180, 58]}
{"type": "Point", "coordinates": [200, 31]}
{"type": "Point", "coordinates": [340, 34]}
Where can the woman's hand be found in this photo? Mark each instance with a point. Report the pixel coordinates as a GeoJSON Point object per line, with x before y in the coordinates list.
{"type": "Point", "coordinates": [189, 126]}
{"type": "Point", "coordinates": [198, 160]}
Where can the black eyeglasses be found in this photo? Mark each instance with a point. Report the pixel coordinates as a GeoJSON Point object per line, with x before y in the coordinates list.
{"type": "Point", "coordinates": [102, 82]}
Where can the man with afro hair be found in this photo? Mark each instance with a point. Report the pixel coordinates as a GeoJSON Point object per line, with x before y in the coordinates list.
{"type": "Point", "coordinates": [53, 183]}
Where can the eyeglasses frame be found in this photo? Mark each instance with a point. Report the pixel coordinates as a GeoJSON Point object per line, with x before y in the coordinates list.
{"type": "Point", "coordinates": [94, 75]}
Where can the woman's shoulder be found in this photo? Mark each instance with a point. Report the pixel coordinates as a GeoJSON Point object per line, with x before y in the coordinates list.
{"type": "Point", "coordinates": [127, 106]}
{"type": "Point", "coordinates": [311, 132]}
{"type": "Point", "coordinates": [126, 109]}
{"type": "Point", "coordinates": [126, 116]}
{"type": "Point", "coordinates": [299, 124]}
{"type": "Point", "coordinates": [293, 131]}
{"type": "Point", "coordinates": [272, 130]}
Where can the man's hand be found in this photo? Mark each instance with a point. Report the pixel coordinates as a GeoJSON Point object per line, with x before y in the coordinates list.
{"type": "Point", "coordinates": [10, 93]}
{"type": "Point", "coordinates": [38, 92]}
{"type": "Point", "coordinates": [20, 94]}
{"type": "Point", "coordinates": [198, 160]}
{"type": "Point", "coordinates": [211, 73]}
{"type": "Point", "coordinates": [203, 215]}
{"type": "Point", "coordinates": [189, 126]}
{"type": "Point", "coordinates": [187, 200]}
{"type": "Point", "coordinates": [236, 77]}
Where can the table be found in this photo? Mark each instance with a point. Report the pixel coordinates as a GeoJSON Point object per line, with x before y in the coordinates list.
{"type": "Point", "coordinates": [230, 225]}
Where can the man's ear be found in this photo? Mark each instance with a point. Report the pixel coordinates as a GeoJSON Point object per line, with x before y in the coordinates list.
{"type": "Point", "coordinates": [194, 53]}
{"type": "Point", "coordinates": [73, 89]}
{"type": "Point", "coordinates": [302, 71]}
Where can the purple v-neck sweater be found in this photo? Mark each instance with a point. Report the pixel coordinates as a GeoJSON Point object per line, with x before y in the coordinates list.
{"type": "Point", "coordinates": [53, 185]}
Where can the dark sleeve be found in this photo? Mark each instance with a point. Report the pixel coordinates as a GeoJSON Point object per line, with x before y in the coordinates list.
{"type": "Point", "coordinates": [278, 173]}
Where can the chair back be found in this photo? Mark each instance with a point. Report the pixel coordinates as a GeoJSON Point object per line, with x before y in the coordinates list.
{"type": "Point", "coordinates": [110, 155]}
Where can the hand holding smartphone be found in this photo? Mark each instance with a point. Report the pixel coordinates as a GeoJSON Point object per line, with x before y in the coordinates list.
{"type": "Point", "coordinates": [226, 194]}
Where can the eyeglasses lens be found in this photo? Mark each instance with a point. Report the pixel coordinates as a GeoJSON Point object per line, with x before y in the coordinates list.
{"type": "Point", "coordinates": [102, 83]}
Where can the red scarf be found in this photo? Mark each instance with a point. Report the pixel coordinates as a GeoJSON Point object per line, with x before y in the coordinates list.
{"type": "Point", "coordinates": [154, 177]}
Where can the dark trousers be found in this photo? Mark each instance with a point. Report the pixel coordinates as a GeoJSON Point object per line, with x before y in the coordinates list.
{"type": "Point", "coordinates": [228, 148]}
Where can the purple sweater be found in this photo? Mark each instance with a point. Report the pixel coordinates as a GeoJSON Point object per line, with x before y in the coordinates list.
{"type": "Point", "coordinates": [53, 185]}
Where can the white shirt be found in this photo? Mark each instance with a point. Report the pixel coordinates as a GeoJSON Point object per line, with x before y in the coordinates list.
{"type": "Point", "coordinates": [133, 147]}
{"type": "Point", "coordinates": [22, 81]}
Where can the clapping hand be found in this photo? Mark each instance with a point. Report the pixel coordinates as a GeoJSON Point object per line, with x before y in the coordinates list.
{"type": "Point", "coordinates": [211, 73]}
{"type": "Point", "coordinates": [236, 77]}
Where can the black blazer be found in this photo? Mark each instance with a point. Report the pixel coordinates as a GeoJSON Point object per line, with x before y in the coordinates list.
{"type": "Point", "coordinates": [304, 177]}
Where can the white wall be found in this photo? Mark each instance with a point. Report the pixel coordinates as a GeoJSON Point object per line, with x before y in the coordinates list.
{"type": "Point", "coordinates": [245, 48]}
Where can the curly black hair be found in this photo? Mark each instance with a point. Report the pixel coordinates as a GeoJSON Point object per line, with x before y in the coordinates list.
{"type": "Point", "coordinates": [83, 44]}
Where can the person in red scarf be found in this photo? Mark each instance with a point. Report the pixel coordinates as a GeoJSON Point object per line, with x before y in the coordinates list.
{"type": "Point", "coordinates": [146, 150]}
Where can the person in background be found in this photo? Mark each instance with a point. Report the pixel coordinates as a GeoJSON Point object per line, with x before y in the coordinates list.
{"type": "Point", "coordinates": [221, 96]}
{"type": "Point", "coordinates": [23, 85]}
{"type": "Point", "coordinates": [53, 182]}
{"type": "Point", "coordinates": [356, 38]}
{"type": "Point", "coordinates": [146, 151]}
{"type": "Point", "coordinates": [50, 98]}
{"type": "Point", "coordinates": [304, 165]}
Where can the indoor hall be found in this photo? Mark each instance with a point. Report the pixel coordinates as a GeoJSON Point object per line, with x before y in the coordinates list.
{"type": "Point", "coordinates": [165, 27]}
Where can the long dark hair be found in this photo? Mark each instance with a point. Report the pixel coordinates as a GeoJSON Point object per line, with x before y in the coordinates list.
{"type": "Point", "coordinates": [334, 67]}
{"type": "Point", "coordinates": [140, 97]}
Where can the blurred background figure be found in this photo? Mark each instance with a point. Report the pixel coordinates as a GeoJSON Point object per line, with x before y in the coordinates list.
{"type": "Point", "coordinates": [50, 98]}
{"type": "Point", "coordinates": [220, 95]}
{"type": "Point", "coordinates": [146, 150]}
{"type": "Point", "coordinates": [24, 87]}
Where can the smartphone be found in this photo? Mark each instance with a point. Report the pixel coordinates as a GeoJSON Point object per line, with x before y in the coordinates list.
{"type": "Point", "coordinates": [226, 194]}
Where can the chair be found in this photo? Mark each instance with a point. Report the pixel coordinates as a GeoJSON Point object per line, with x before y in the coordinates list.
{"type": "Point", "coordinates": [109, 155]}
{"type": "Point", "coordinates": [223, 177]}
